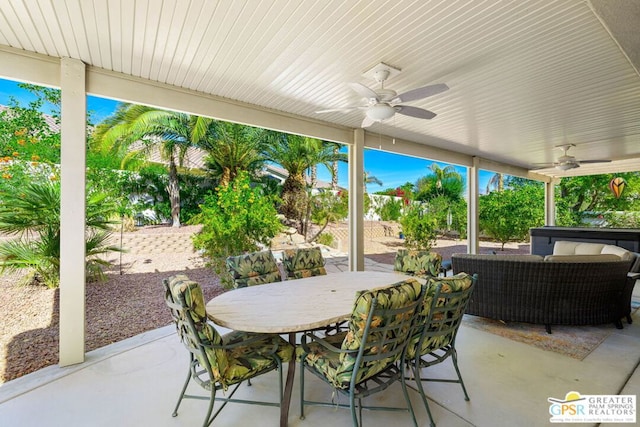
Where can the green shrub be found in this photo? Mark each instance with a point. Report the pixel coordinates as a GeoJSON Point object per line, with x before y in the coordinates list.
{"type": "Point", "coordinates": [622, 219]}
{"type": "Point", "coordinates": [145, 189]}
{"type": "Point", "coordinates": [418, 227]}
{"type": "Point", "coordinates": [441, 206]}
{"type": "Point", "coordinates": [390, 210]}
{"type": "Point", "coordinates": [508, 215]}
{"type": "Point", "coordinates": [235, 220]}
{"type": "Point", "coordinates": [327, 207]}
{"type": "Point", "coordinates": [33, 214]}
{"type": "Point", "coordinates": [325, 239]}
{"type": "Point", "coordinates": [25, 134]}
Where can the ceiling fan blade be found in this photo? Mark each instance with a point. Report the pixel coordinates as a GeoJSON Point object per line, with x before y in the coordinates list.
{"type": "Point", "coordinates": [421, 92]}
{"type": "Point", "coordinates": [539, 167]}
{"type": "Point", "coordinates": [584, 162]}
{"type": "Point", "coordinates": [337, 110]}
{"type": "Point", "coordinates": [364, 91]}
{"type": "Point", "coordinates": [420, 113]}
{"type": "Point", "coordinates": [367, 122]}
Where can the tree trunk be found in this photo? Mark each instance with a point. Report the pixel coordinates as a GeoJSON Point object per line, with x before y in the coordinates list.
{"type": "Point", "coordinates": [334, 172]}
{"type": "Point", "coordinates": [173, 188]}
{"type": "Point", "coordinates": [225, 178]}
{"type": "Point", "coordinates": [294, 199]}
{"type": "Point", "coordinates": [313, 179]}
{"type": "Point", "coordinates": [307, 215]}
{"type": "Point", "coordinates": [315, 236]}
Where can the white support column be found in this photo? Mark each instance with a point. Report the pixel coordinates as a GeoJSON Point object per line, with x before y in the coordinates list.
{"type": "Point", "coordinates": [72, 211]}
{"type": "Point", "coordinates": [356, 202]}
{"type": "Point", "coordinates": [473, 192]}
{"type": "Point", "coordinates": [550, 202]}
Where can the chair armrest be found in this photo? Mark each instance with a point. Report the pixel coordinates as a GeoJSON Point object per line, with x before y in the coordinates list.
{"type": "Point", "coordinates": [275, 341]}
{"type": "Point", "coordinates": [322, 342]}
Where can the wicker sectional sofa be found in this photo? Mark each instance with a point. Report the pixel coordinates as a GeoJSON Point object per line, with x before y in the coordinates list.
{"type": "Point", "coordinates": [570, 290]}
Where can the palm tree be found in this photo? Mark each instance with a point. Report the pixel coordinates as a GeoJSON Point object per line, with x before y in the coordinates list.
{"type": "Point", "coordinates": [322, 153]}
{"type": "Point", "coordinates": [297, 154]}
{"type": "Point", "coordinates": [440, 182]}
{"type": "Point", "coordinates": [334, 164]}
{"type": "Point", "coordinates": [231, 148]}
{"type": "Point", "coordinates": [292, 153]}
{"type": "Point", "coordinates": [496, 183]}
{"type": "Point", "coordinates": [327, 154]}
{"type": "Point", "coordinates": [169, 132]}
{"type": "Point", "coordinates": [442, 174]}
{"type": "Point", "coordinates": [33, 215]}
{"type": "Point", "coordinates": [370, 179]}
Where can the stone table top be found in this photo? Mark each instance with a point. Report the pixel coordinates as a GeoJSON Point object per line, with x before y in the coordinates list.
{"type": "Point", "coordinates": [295, 305]}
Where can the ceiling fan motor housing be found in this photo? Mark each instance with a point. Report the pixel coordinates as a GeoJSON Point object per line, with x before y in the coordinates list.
{"type": "Point", "coordinates": [386, 95]}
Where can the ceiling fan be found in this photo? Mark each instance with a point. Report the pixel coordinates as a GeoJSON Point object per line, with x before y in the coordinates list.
{"type": "Point", "coordinates": [567, 162]}
{"type": "Point", "coordinates": [382, 104]}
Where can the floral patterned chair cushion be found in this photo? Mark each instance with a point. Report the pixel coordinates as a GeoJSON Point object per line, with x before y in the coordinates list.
{"type": "Point", "coordinates": [453, 284]}
{"type": "Point", "coordinates": [418, 263]}
{"type": "Point", "coordinates": [233, 357]}
{"type": "Point", "coordinates": [256, 268]}
{"type": "Point", "coordinates": [337, 365]}
{"type": "Point", "coordinates": [304, 262]}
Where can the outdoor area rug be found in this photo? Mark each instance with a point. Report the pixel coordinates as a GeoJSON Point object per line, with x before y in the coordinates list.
{"type": "Point", "coordinates": [573, 341]}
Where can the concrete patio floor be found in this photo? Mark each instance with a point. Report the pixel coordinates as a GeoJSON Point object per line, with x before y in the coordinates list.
{"type": "Point", "coordinates": [136, 383]}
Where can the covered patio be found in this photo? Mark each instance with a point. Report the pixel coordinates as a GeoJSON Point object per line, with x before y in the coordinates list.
{"type": "Point", "coordinates": [524, 77]}
{"type": "Point", "coordinates": [137, 381]}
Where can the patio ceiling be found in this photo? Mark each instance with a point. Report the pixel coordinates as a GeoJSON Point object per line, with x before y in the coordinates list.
{"type": "Point", "coordinates": [524, 76]}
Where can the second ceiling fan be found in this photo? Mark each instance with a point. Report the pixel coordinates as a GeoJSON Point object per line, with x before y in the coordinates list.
{"type": "Point", "coordinates": [567, 162]}
{"type": "Point", "coordinates": [382, 104]}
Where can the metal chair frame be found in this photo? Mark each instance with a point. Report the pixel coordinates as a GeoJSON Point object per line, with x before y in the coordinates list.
{"type": "Point", "coordinates": [203, 375]}
{"type": "Point", "coordinates": [442, 320]}
{"type": "Point", "coordinates": [391, 338]}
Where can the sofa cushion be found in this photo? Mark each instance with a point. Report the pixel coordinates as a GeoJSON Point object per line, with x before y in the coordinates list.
{"type": "Point", "coordinates": [624, 254]}
{"type": "Point", "coordinates": [582, 258]}
{"type": "Point", "coordinates": [562, 247]}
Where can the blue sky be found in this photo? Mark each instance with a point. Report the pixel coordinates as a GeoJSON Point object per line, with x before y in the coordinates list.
{"type": "Point", "coordinates": [99, 108]}
{"type": "Point", "coordinates": [392, 169]}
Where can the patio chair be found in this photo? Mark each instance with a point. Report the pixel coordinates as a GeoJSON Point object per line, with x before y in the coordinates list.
{"type": "Point", "coordinates": [303, 262]}
{"type": "Point", "coordinates": [363, 360]}
{"type": "Point", "coordinates": [217, 362]}
{"type": "Point", "coordinates": [435, 330]}
{"type": "Point", "coordinates": [256, 268]}
{"type": "Point", "coordinates": [422, 264]}
{"type": "Point", "coordinates": [307, 262]}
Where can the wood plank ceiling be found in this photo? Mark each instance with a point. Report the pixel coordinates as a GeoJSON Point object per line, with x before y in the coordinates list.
{"type": "Point", "coordinates": [524, 75]}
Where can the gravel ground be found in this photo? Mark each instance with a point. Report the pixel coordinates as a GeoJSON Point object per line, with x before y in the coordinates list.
{"type": "Point", "coordinates": [130, 303]}
{"type": "Point", "coordinates": [118, 308]}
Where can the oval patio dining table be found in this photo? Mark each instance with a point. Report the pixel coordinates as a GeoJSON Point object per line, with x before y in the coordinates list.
{"type": "Point", "coordinates": [294, 306]}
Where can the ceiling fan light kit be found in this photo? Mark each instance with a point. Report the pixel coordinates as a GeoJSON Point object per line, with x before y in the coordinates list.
{"type": "Point", "coordinates": [566, 166]}
{"type": "Point", "coordinates": [380, 112]}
